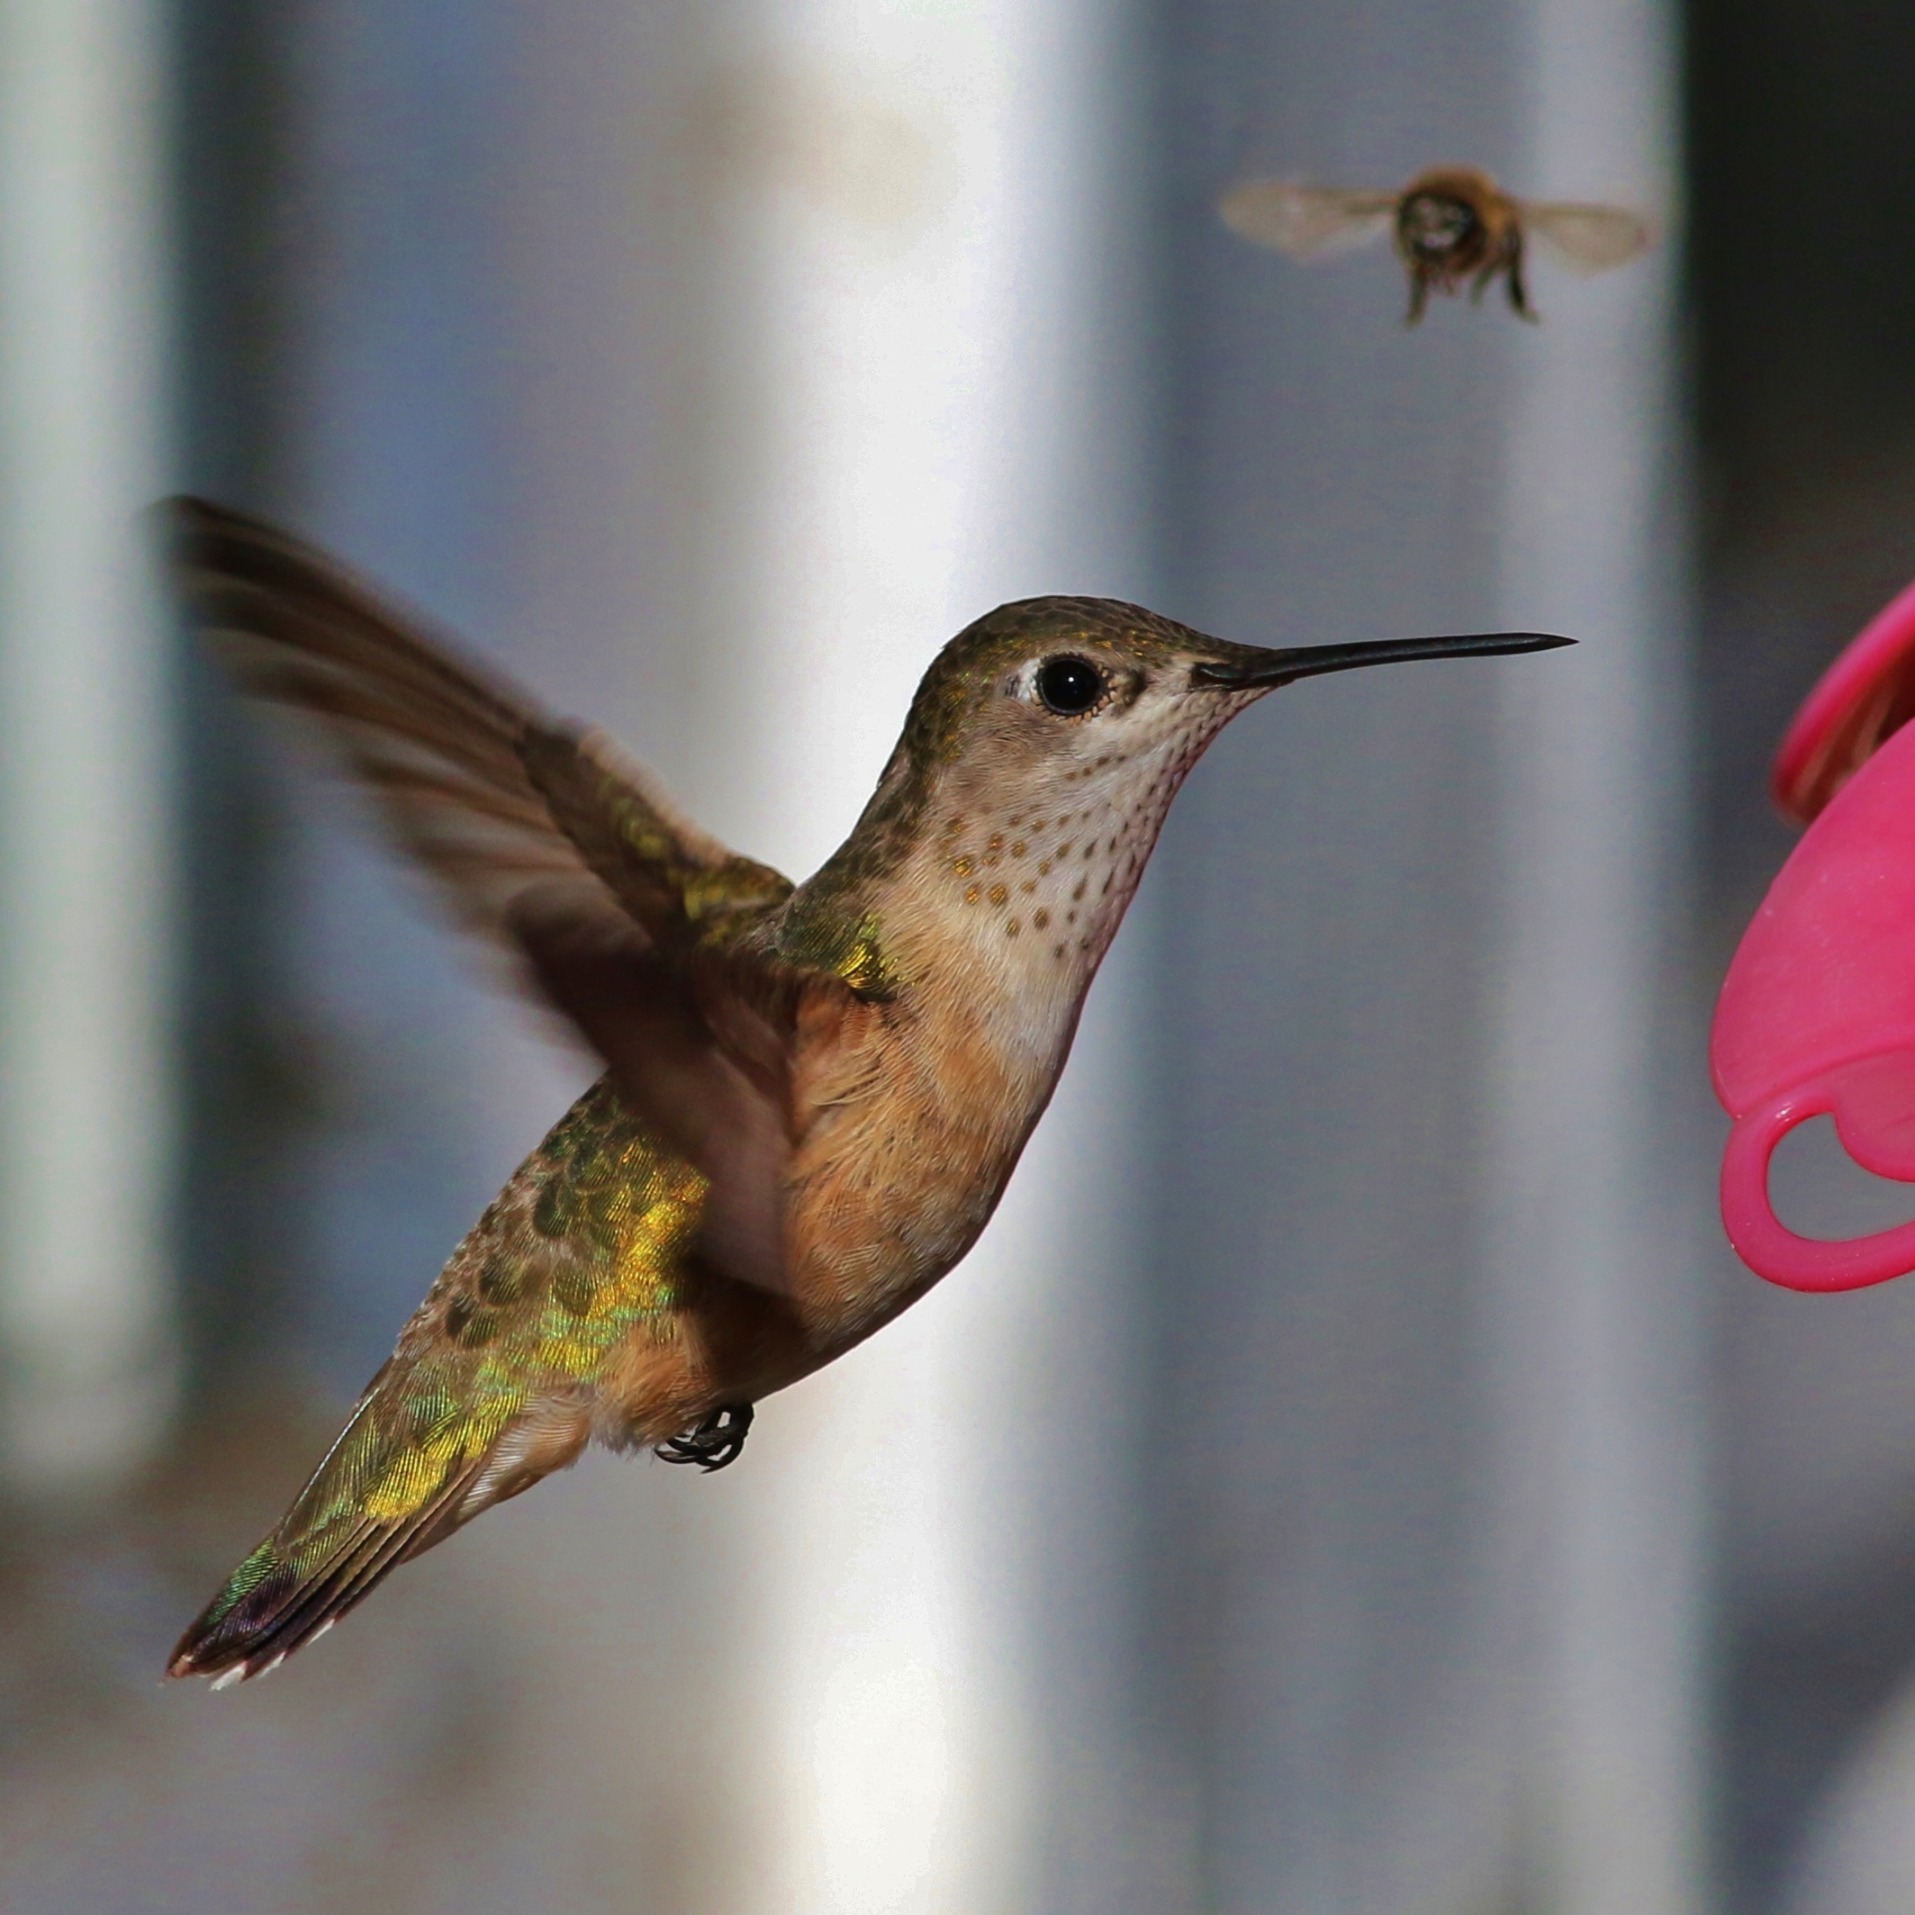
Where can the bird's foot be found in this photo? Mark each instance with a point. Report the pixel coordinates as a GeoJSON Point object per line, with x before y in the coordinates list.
{"type": "Point", "coordinates": [718, 1440]}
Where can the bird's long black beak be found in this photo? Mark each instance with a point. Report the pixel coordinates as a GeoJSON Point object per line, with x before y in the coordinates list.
{"type": "Point", "coordinates": [1263, 669]}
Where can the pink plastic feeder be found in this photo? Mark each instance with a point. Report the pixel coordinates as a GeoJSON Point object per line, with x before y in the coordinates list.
{"type": "Point", "coordinates": [1817, 1014]}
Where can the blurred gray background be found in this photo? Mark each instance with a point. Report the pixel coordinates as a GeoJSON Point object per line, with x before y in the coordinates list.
{"type": "Point", "coordinates": [1350, 1475]}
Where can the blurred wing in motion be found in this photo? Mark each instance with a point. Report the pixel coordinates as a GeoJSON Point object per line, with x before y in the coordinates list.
{"type": "Point", "coordinates": [1588, 239]}
{"type": "Point", "coordinates": [1306, 222]}
{"type": "Point", "coordinates": [492, 1385]}
{"type": "Point", "coordinates": [544, 838]}
{"type": "Point", "coordinates": [488, 792]}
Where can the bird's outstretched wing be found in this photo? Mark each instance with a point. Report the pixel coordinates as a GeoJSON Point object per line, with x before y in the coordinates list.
{"type": "Point", "coordinates": [491, 794]}
{"type": "Point", "coordinates": [1305, 221]}
{"type": "Point", "coordinates": [543, 837]}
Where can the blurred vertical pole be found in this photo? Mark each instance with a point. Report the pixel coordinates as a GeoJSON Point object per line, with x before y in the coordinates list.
{"type": "Point", "coordinates": [1597, 1192]}
{"type": "Point", "coordinates": [86, 1109]}
{"type": "Point", "coordinates": [928, 313]}
{"type": "Point", "coordinates": [781, 343]}
{"type": "Point", "coordinates": [1426, 1620]}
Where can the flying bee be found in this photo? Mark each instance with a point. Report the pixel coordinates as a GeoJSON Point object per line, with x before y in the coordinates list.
{"type": "Point", "coordinates": [1452, 226]}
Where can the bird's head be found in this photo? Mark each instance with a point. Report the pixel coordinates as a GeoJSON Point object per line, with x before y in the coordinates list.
{"type": "Point", "coordinates": [1041, 754]}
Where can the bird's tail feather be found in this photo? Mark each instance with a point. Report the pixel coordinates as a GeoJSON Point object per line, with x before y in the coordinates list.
{"type": "Point", "coordinates": [388, 1491]}
{"type": "Point", "coordinates": [269, 1608]}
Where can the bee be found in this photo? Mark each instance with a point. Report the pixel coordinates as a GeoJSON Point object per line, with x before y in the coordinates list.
{"type": "Point", "coordinates": [1452, 225]}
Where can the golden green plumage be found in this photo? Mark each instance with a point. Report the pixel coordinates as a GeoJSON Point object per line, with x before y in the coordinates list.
{"type": "Point", "coordinates": [582, 1250]}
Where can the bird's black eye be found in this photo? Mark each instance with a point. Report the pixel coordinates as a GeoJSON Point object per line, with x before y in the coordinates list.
{"type": "Point", "coordinates": [1069, 685]}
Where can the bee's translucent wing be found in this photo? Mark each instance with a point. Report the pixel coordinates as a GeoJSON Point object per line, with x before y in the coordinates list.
{"type": "Point", "coordinates": [1305, 221]}
{"type": "Point", "coordinates": [1589, 239]}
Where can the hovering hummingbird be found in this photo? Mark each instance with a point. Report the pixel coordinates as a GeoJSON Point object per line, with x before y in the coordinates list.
{"type": "Point", "coordinates": [814, 1095]}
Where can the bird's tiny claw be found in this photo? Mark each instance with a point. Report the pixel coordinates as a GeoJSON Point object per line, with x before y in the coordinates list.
{"type": "Point", "coordinates": [712, 1444]}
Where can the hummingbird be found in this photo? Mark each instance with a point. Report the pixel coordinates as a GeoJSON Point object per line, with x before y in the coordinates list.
{"type": "Point", "coordinates": [813, 1094]}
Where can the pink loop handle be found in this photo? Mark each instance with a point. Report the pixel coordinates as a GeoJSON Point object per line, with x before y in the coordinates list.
{"type": "Point", "coordinates": [1766, 1244]}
